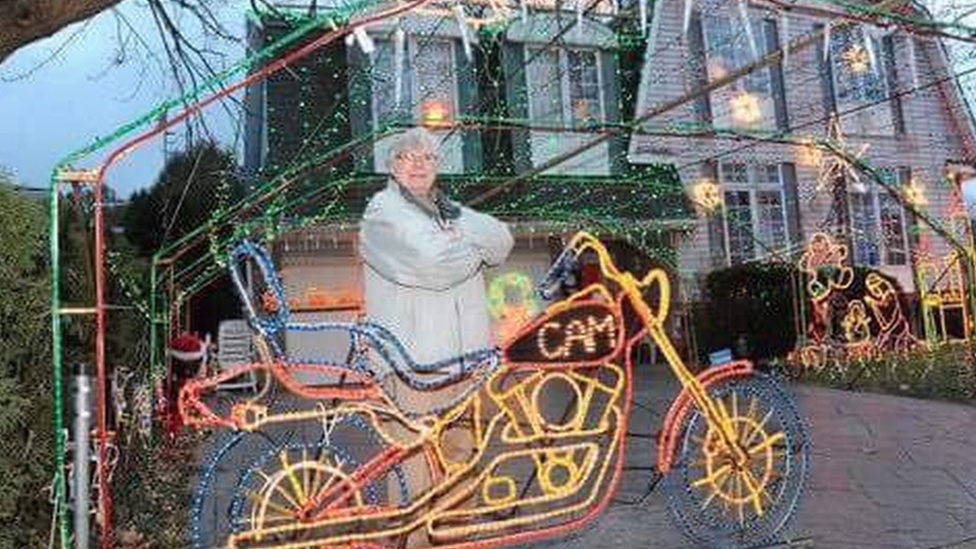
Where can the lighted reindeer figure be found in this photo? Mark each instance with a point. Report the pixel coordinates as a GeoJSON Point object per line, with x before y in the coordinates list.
{"type": "Point", "coordinates": [545, 416]}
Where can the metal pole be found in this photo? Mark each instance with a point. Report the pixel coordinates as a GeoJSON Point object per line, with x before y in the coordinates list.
{"type": "Point", "coordinates": [106, 537]}
{"type": "Point", "coordinates": [60, 484]}
{"type": "Point", "coordinates": [82, 495]}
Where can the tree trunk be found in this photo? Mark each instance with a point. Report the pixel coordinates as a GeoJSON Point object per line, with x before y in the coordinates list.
{"type": "Point", "coordinates": [24, 21]}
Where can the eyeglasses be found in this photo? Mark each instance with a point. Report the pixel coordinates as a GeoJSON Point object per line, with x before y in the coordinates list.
{"type": "Point", "coordinates": [417, 158]}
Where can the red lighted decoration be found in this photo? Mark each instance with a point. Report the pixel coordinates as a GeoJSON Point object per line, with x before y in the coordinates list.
{"type": "Point", "coordinates": [544, 445]}
{"type": "Point", "coordinates": [435, 113]}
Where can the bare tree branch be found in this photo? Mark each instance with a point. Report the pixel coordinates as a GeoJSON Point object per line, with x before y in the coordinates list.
{"type": "Point", "coordinates": [51, 57]}
{"type": "Point", "coordinates": [25, 21]}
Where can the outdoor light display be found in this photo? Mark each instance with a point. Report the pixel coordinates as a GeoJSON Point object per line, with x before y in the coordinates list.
{"type": "Point", "coordinates": [707, 195]}
{"type": "Point", "coordinates": [565, 378]}
{"type": "Point", "coordinates": [511, 303]}
{"type": "Point", "coordinates": [546, 114]}
{"type": "Point", "coordinates": [868, 325]}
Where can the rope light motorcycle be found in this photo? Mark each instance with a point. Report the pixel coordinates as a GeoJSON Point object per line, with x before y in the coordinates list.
{"type": "Point", "coordinates": [541, 423]}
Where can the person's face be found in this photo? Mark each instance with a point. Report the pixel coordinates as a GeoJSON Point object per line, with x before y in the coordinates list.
{"type": "Point", "coordinates": [415, 169]}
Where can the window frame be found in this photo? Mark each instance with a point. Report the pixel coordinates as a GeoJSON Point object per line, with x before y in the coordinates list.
{"type": "Point", "coordinates": [565, 82]}
{"type": "Point", "coordinates": [884, 251]}
{"type": "Point", "coordinates": [452, 159]}
{"type": "Point", "coordinates": [411, 80]}
{"type": "Point", "coordinates": [754, 185]}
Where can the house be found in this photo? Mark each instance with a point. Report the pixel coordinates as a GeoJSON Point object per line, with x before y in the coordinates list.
{"type": "Point", "coordinates": [885, 95]}
{"type": "Point", "coordinates": [505, 101]}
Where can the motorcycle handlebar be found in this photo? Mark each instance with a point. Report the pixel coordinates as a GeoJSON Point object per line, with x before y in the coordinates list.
{"type": "Point", "coordinates": [560, 271]}
{"type": "Point", "coordinates": [568, 260]}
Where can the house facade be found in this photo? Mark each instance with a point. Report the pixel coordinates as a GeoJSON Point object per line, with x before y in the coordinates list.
{"type": "Point", "coordinates": [503, 104]}
{"type": "Point", "coordinates": [507, 104]}
{"type": "Point", "coordinates": [886, 96]}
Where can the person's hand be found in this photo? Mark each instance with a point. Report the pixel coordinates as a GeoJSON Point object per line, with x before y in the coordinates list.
{"type": "Point", "coordinates": [453, 231]}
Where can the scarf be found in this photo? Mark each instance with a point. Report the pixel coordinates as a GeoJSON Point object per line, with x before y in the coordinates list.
{"type": "Point", "coordinates": [435, 204]}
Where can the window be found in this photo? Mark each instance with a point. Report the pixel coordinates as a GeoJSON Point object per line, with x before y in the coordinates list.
{"type": "Point", "coordinates": [747, 102]}
{"type": "Point", "coordinates": [864, 229]}
{"type": "Point", "coordinates": [428, 77]}
{"type": "Point", "coordinates": [427, 73]}
{"type": "Point", "coordinates": [755, 213]}
{"type": "Point", "coordinates": [860, 85]}
{"type": "Point", "coordinates": [584, 88]}
{"type": "Point", "coordinates": [546, 97]}
{"type": "Point", "coordinates": [738, 226]}
{"type": "Point", "coordinates": [564, 87]}
{"type": "Point", "coordinates": [878, 225]}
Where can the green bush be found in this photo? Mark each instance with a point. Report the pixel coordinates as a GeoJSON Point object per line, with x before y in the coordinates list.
{"type": "Point", "coordinates": [944, 372]}
{"type": "Point", "coordinates": [26, 444]}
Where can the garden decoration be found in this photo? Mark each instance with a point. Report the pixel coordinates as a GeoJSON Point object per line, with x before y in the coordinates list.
{"type": "Point", "coordinates": [846, 328]}
{"type": "Point", "coordinates": [511, 303]}
{"type": "Point", "coordinates": [530, 444]}
{"type": "Point", "coordinates": [943, 298]}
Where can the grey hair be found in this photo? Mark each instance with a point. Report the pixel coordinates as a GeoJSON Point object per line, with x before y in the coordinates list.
{"type": "Point", "coordinates": [414, 139]}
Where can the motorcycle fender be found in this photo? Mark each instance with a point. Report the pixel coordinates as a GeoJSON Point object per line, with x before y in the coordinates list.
{"type": "Point", "coordinates": [683, 404]}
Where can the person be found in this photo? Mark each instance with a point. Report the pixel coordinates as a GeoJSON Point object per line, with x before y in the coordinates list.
{"type": "Point", "coordinates": [423, 259]}
{"type": "Point", "coordinates": [424, 256]}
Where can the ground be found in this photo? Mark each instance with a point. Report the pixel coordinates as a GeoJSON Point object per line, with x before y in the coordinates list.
{"type": "Point", "coordinates": [887, 472]}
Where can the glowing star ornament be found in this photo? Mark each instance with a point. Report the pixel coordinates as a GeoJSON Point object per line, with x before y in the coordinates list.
{"type": "Point", "coordinates": [707, 195]}
{"type": "Point", "coordinates": [745, 108]}
{"type": "Point", "coordinates": [914, 193]}
{"type": "Point", "coordinates": [435, 113]}
{"type": "Point", "coordinates": [833, 166]}
{"type": "Point", "coordinates": [858, 59]}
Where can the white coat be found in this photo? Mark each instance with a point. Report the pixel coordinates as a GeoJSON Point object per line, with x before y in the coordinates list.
{"type": "Point", "coordinates": [423, 281]}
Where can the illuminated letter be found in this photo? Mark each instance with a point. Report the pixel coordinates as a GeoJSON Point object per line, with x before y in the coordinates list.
{"type": "Point", "coordinates": [543, 339]}
{"type": "Point", "coordinates": [608, 326]}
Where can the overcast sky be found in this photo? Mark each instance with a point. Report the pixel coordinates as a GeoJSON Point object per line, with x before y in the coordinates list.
{"type": "Point", "coordinates": [54, 103]}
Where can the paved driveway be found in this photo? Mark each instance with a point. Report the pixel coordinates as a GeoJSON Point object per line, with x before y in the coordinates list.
{"type": "Point", "coordinates": [887, 472]}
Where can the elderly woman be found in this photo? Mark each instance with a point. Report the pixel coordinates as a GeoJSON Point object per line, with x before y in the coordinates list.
{"type": "Point", "coordinates": [424, 258]}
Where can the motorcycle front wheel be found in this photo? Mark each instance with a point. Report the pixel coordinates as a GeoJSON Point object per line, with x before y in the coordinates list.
{"type": "Point", "coordinates": [720, 503]}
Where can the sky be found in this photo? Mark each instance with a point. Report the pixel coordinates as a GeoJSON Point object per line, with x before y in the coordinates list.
{"type": "Point", "coordinates": [61, 93]}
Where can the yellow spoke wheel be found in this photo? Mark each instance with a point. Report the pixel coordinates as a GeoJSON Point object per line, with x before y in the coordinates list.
{"type": "Point", "coordinates": [720, 500]}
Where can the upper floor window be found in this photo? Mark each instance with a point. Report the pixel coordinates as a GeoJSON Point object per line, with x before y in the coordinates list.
{"type": "Point", "coordinates": [755, 213]}
{"type": "Point", "coordinates": [428, 80]}
{"type": "Point", "coordinates": [878, 224]}
{"type": "Point", "coordinates": [748, 101]}
{"type": "Point", "coordinates": [566, 91]}
{"type": "Point", "coordinates": [860, 81]}
{"type": "Point", "coordinates": [564, 87]}
{"type": "Point", "coordinates": [427, 75]}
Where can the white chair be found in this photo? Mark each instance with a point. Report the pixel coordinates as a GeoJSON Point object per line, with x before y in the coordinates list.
{"type": "Point", "coordinates": [235, 348]}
